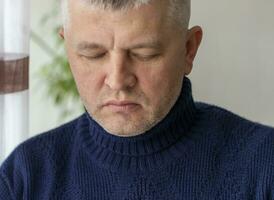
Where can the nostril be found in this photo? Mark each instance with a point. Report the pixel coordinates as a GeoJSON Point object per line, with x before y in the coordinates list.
{"type": "Point", "coordinates": [120, 81]}
{"type": "Point", "coordinates": [132, 81]}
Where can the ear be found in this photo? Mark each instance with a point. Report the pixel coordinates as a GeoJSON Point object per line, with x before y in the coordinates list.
{"type": "Point", "coordinates": [61, 32]}
{"type": "Point", "coordinates": [193, 41]}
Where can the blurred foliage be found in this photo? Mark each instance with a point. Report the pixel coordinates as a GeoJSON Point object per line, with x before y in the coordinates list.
{"type": "Point", "coordinates": [60, 85]}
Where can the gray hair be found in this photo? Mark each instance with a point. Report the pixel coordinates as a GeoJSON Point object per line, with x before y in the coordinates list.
{"type": "Point", "coordinates": [179, 10]}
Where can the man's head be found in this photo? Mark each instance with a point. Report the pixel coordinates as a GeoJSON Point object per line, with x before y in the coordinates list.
{"type": "Point", "coordinates": [128, 61]}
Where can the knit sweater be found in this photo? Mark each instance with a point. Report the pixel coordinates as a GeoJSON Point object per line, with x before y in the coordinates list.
{"type": "Point", "coordinates": [198, 151]}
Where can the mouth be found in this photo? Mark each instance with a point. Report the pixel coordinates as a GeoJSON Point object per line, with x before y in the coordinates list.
{"type": "Point", "coordinates": [121, 106]}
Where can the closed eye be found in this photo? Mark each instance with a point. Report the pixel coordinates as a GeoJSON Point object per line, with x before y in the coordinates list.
{"type": "Point", "coordinates": [94, 57]}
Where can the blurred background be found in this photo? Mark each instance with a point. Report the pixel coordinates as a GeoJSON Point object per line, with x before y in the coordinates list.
{"type": "Point", "coordinates": [234, 68]}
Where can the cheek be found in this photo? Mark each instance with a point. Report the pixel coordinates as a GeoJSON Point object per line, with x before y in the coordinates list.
{"type": "Point", "coordinates": [161, 82]}
{"type": "Point", "coordinates": [156, 82]}
{"type": "Point", "coordinates": [90, 89]}
{"type": "Point", "coordinates": [164, 75]}
{"type": "Point", "coordinates": [89, 83]}
{"type": "Point", "coordinates": [88, 80]}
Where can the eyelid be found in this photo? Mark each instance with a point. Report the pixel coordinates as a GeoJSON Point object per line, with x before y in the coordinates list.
{"type": "Point", "coordinates": [145, 57]}
{"type": "Point", "coordinates": [93, 57]}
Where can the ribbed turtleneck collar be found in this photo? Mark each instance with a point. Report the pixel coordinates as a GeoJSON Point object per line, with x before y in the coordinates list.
{"type": "Point", "coordinates": [139, 152]}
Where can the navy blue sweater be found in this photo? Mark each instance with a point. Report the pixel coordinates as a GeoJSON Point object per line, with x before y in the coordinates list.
{"type": "Point", "coordinates": [198, 151]}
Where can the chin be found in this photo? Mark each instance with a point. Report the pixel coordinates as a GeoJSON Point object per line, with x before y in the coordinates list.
{"type": "Point", "coordinates": [125, 130]}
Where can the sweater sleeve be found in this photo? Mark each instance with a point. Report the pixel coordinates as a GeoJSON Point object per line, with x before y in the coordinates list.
{"type": "Point", "coordinates": [11, 176]}
{"type": "Point", "coordinates": [5, 193]}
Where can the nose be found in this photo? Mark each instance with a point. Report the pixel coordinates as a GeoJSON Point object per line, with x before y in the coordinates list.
{"type": "Point", "coordinates": [119, 74]}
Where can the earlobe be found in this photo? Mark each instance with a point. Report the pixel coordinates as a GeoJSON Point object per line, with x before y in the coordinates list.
{"type": "Point", "coordinates": [61, 32]}
{"type": "Point", "coordinates": [194, 38]}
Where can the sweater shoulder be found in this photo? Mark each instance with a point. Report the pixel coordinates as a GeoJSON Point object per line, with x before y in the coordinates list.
{"type": "Point", "coordinates": [64, 130]}
{"type": "Point", "coordinates": [229, 119]}
{"type": "Point", "coordinates": [240, 139]}
{"type": "Point", "coordinates": [235, 132]}
{"type": "Point", "coordinates": [56, 139]}
{"type": "Point", "coordinates": [232, 124]}
{"type": "Point", "coordinates": [42, 156]}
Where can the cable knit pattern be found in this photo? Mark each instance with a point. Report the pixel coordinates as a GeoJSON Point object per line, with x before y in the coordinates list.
{"type": "Point", "coordinates": [198, 151]}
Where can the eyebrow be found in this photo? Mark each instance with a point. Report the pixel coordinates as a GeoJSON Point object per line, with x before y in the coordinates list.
{"type": "Point", "coordinates": [90, 45]}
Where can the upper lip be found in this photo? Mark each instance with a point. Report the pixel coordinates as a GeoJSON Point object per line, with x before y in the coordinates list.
{"type": "Point", "coordinates": [119, 103]}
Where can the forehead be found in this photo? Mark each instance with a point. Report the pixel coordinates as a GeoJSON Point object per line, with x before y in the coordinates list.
{"type": "Point", "coordinates": [96, 23]}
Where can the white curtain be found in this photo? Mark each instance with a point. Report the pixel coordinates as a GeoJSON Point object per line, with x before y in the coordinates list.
{"type": "Point", "coordinates": [14, 45]}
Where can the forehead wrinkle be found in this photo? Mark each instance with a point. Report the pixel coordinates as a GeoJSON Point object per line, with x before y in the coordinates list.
{"type": "Point", "coordinates": [93, 40]}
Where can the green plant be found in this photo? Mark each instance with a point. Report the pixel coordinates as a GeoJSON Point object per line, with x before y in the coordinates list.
{"type": "Point", "coordinates": [60, 85]}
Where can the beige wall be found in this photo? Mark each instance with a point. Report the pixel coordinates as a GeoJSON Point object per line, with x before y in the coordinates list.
{"type": "Point", "coordinates": [235, 65]}
{"type": "Point", "coordinates": [234, 68]}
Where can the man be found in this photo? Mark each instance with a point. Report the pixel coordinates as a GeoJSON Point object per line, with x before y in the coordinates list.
{"type": "Point", "coordinates": [142, 136]}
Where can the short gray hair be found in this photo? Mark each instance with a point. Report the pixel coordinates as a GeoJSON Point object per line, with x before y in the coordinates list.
{"type": "Point", "coordinates": [179, 10]}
